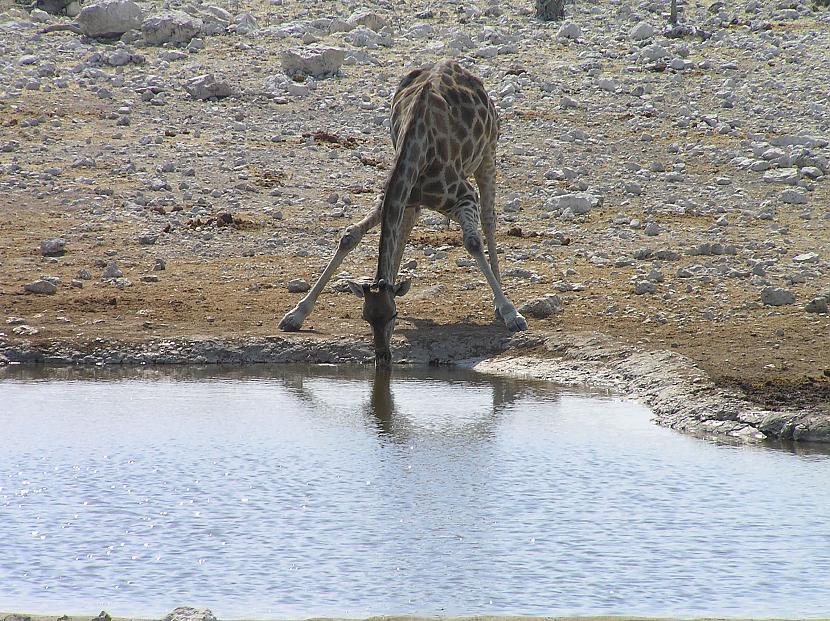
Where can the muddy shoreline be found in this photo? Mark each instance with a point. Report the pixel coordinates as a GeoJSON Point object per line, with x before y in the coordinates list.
{"type": "Point", "coordinates": [680, 394]}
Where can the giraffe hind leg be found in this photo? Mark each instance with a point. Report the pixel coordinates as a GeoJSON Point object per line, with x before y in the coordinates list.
{"type": "Point", "coordinates": [293, 319]}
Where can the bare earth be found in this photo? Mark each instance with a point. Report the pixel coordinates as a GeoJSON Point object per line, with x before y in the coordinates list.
{"type": "Point", "coordinates": [253, 155]}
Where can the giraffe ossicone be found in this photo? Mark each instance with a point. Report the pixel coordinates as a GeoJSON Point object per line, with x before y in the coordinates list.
{"type": "Point", "coordinates": [444, 130]}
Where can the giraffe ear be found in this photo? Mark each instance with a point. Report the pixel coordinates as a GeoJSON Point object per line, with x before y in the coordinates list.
{"type": "Point", "coordinates": [359, 289]}
{"type": "Point", "coordinates": [402, 288]}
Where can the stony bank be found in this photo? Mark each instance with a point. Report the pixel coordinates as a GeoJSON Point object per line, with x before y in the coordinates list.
{"type": "Point", "coordinates": [663, 195]}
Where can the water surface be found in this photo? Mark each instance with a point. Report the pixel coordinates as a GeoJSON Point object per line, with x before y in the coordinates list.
{"type": "Point", "coordinates": [294, 492]}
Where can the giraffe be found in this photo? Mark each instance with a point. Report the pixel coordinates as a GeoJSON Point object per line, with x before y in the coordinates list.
{"type": "Point", "coordinates": [444, 130]}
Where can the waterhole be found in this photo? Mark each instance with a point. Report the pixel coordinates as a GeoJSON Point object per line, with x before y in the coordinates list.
{"type": "Point", "coordinates": [280, 492]}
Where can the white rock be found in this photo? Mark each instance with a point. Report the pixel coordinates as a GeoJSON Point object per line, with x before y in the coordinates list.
{"type": "Point", "coordinates": [109, 18]}
{"type": "Point", "coordinates": [368, 19]}
{"type": "Point", "coordinates": [317, 62]}
{"type": "Point", "coordinates": [205, 86]}
{"type": "Point", "coordinates": [577, 202]}
{"type": "Point", "coordinates": [807, 257]}
{"type": "Point", "coordinates": [641, 31]}
{"type": "Point", "coordinates": [186, 613]}
{"type": "Point", "coordinates": [569, 30]}
{"type": "Point", "coordinates": [170, 27]}
{"type": "Point", "coordinates": [607, 84]}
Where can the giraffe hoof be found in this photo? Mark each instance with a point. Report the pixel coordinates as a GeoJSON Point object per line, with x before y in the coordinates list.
{"type": "Point", "coordinates": [292, 322]}
{"type": "Point", "coordinates": [516, 324]}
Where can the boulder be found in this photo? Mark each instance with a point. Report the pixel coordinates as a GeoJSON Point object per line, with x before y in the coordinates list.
{"type": "Point", "coordinates": [170, 27]}
{"type": "Point", "coordinates": [206, 87]}
{"type": "Point", "coordinates": [109, 18]}
{"type": "Point", "coordinates": [315, 62]}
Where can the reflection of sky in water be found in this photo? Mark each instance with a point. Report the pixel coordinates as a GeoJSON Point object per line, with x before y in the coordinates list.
{"type": "Point", "coordinates": [295, 492]}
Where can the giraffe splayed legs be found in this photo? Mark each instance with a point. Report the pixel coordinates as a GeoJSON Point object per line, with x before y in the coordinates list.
{"type": "Point", "coordinates": [444, 129]}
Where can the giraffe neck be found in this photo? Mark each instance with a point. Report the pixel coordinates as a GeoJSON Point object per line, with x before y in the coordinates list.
{"type": "Point", "coordinates": [409, 160]}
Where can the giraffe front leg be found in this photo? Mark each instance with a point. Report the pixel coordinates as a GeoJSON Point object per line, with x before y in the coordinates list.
{"type": "Point", "coordinates": [293, 319]}
{"type": "Point", "coordinates": [467, 213]}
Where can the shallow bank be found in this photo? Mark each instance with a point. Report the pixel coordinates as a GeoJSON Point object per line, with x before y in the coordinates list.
{"type": "Point", "coordinates": [681, 395]}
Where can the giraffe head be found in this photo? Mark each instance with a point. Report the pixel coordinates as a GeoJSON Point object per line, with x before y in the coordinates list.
{"type": "Point", "coordinates": [379, 311]}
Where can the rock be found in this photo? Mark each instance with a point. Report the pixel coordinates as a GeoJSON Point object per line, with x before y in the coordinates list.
{"type": "Point", "coordinates": [170, 27]}
{"type": "Point", "coordinates": [84, 274]}
{"type": "Point", "coordinates": [42, 286]}
{"type": "Point", "coordinates": [370, 20]}
{"type": "Point", "coordinates": [817, 305]}
{"type": "Point", "coordinates": [246, 24]}
{"type": "Point", "coordinates": [53, 7]}
{"type": "Point", "coordinates": [186, 613]}
{"type": "Point", "coordinates": [578, 202]}
{"type": "Point", "coordinates": [24, 330]}
{"type": "Point", "coordinates": [644, 286]}
{"type": "Point", "coordinates": [542, 307]}
{"type": "Point", "coordinates": [793, 196]}
{"type": "Point", "coordinates": [807, 257]}
{"type": "Point", "coordinates": [103, 616]}
{"type": "Point", "coordinates": [316, 62]}
{"type": "Point", "coordinates": [772, 296]}
{"type": "Point", "coordinates": [569, 30]}
{"type": "Point", "coordinates": [147, 239]}
{"type": "Point", "coordinates": [52, 247]}
{"type": "Point", "coordinates": [109, 18]}
{"type": "Point", "coordinates": [111, 271]}
{"type": "Point", "coordinates": [298, 285]}
{"type": "Point", "coordinates": [206, 87]}
{"type": "Point", "coordinates": [160, 265]}
{"type": "Point", "coordinates": [788, 176]}
{"type": "Point", "coordinates": [641, 31]}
